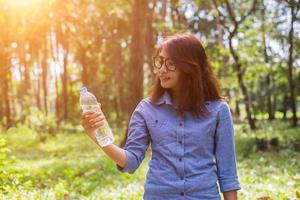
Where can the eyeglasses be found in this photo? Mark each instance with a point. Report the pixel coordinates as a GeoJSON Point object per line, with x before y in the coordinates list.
{"type": "Point", "coordinates": [158, 62]}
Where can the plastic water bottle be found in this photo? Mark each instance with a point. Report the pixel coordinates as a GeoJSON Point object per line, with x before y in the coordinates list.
{"type": "Point", "coordinates": [88, 101]}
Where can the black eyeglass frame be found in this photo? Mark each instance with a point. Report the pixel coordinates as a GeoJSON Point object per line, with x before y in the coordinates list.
{"type": "Point", "coordinates": [165, 62]}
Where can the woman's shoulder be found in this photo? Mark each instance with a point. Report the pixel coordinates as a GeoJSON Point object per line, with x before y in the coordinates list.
{"type": "Point", "coordinates": [217, 105]}
{"type": "Point", "coordinates": [145, 103]}
{"type": "Point", "coordinates": [147, 100]}
{"type": "Point", "coordinates": [147, 109]}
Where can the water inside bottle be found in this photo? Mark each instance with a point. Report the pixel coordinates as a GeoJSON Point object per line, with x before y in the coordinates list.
{"type": "Point", "coordinates": [90, 107]}
{"type": "Point", "coordinates": [89, 102]}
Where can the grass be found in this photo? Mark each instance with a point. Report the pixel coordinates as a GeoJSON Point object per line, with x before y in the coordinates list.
{"type": "Point", "coordinates": [70, 166]}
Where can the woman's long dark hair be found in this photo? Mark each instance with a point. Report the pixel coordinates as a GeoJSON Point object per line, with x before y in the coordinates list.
{"type": "Point", "coordinates": [198, 83]}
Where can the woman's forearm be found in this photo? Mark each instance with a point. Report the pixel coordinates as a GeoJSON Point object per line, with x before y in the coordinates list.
{"type": "Point", "coordinates": [91, 121]}
{"type": "Point", "coordinates": [116, 153]}
{"type": "Point", "coordinates": [230, 195]}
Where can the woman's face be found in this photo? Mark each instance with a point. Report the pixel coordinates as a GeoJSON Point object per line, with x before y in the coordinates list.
{"type": "Point", "coordinates": [168, 79]}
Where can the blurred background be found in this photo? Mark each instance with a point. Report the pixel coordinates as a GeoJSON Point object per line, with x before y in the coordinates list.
{"type": "Point", "coordinates": [50, 49]}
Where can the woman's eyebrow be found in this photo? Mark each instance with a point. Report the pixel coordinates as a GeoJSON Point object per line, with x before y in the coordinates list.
{"type": "Point", "coordinates": [163, 57]}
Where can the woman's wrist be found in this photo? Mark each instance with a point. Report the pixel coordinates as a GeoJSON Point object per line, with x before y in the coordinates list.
{"type": "Point", "coordinates": [230, 195]}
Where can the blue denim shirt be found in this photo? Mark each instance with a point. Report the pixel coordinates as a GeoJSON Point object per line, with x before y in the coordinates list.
{"type": "Point", "coordinates": [190, 156]}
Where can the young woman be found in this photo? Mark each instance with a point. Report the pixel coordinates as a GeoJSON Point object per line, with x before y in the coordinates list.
{"type": "Point", "coordinates": [188, 125]}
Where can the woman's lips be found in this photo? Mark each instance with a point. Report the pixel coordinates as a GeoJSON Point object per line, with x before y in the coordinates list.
{"type": "Point", "coordinates": [164, 79]}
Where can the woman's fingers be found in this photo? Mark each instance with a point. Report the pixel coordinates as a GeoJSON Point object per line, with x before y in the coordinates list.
{"type": "Point", "coordinates": [96, 119]}
{"type": "Point", "coordinates": [85, 122]}
{"type": "Point", "coordinates": [98, 124]}
{"type": "Point", "coordinates": [92, 120]}
{"type": "Point", "coordinates": [91, 115]}
{"type": "Point", "coordinates": [87, 113]}
{"type": "Point", "coordinates": [88, 128]}
{"type": "Point", "coordinates": [95, 115]}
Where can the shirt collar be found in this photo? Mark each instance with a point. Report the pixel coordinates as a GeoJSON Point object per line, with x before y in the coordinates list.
{"type": "Point", "coordinates": [164, 99]}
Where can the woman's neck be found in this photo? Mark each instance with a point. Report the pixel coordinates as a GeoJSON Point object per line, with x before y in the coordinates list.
{"type": "Point", "coordinates": [175, 100]}
{"type": "Point", "coordinates": [175, 96]}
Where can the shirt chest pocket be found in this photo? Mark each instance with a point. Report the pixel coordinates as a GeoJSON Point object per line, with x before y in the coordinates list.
{"type": "Point", "coordinates": [160, 132]}
{"type": "Point", "coordinates": [202, 133]}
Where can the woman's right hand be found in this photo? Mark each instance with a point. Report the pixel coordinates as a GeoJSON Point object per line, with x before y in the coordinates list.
{"type": "Point", "coordinates": [91, 121]}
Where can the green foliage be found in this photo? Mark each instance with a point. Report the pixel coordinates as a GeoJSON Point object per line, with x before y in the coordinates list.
{"type": "Point", "coordinates": [270, 136]}
{"type": "Point", "coordinates": [41, 123]}
{"type": "Point", "coordinates": [71, 166]}
{"type": "Point", "coordinates": [10, 178]}
{"type": "Point", "coordinates": [68, 165]}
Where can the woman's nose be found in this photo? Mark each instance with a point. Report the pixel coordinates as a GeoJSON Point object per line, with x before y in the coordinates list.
{"type": "Point", "coordinates": [163, 68]}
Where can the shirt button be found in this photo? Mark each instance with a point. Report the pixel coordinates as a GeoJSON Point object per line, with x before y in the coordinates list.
{"type": "Point", "coordinates": [180, 159]}
{"type": "Point", "coordinates": [180, 142]}
{"type": "Point", "coordinates": [180, 124]}
{"type": "Point", "coordinates": [182, 193]}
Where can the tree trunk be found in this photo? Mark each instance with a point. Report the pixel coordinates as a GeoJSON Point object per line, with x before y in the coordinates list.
{"type": "Point", "coordinates": [83, 62]}
{"type": "Point", "coordinates": [117, 80]}
{"type": "Point", "coordinates": [150, 42]}
{"type": "Point", "coordinates": [237, 108]}
{"type": "Point", "coordinates": [136, 63]}
{"type": "Point", "coordinates": [237, 63]}
{"type": "Point", "coordinates": [45, 74]}
{"type": "Point", "coordinates": [266, 59]}
{"type": "Point", "coordinates": [1, 107]}
{"type": "Point", "coordinates": [65, 46]}
{"type": "Point", "coordinates": [239, 73]}
{"type": "Point", "coordinates": [163, 9]}
{"type": "Point", "coordinates": [290, 67]}
{"type": "Point", "coordinates": [269, 99]}
{"type": "Point", "coordinates": [24, 73]}
{"type": "Point", "coordinates": [223, 71]}
{"type": "Point", "coordinates": [37, 93]}
{"type": "Point", "coordinates": [58, 100]}
{"type": "Point", "coordinates": [26, 78]}
{"type": "Point", "coordinates": [7, 102]}
{"type": "Point", "coordinates": [4, 80]}
{"type": "Point", "coordinates": [284, 107]}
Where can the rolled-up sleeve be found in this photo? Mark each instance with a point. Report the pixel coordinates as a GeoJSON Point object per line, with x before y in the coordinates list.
{"type": "Point", "coordinates": [225, 151]}
{"type": "Point", "coordinates": [137, 141]}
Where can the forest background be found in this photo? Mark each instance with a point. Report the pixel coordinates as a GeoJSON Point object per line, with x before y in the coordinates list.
{"type": "Point", "coordinates": [50, 49]}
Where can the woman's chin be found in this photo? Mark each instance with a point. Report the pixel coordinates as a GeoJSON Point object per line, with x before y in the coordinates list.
{"type": "Point", "coordinates": [165, 86]}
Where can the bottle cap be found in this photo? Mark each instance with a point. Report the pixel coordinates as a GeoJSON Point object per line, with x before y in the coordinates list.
{"type": "Point", "coordinates": [83, 90]}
